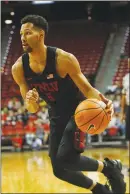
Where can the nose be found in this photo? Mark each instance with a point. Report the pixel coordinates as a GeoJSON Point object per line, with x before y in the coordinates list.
{"type": "Point", "coordinates": [22, 38]}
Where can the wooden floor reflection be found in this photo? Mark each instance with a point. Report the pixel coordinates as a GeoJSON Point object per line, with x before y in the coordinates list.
{"type": "Point", "coordinates": [31, 172]}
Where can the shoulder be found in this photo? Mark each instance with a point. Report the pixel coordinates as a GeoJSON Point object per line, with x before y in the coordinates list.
{"type": "Point", "coordinates": [65, 56]}
{"type": "Point", "coordinates": [67, 62]}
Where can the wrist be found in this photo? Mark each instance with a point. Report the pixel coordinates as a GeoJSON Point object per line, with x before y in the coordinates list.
{"type": "Point", "coordinates": [32, 107]}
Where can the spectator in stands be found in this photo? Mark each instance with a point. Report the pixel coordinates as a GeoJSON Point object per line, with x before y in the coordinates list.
{"type": "Point", "coordinates": [17, 104]}
{"type": "Point", "coordinates": [25, 117]}
{"type": "Point", "coordinates": [17, 142]}
{"type": "Point", "coordinates": [37, 143]}
{"type": "Point", "coordinates": [30, 133]}
{"type": "Point", "coordinates": [125, 113]}
{"type": "Point", "coordinates": [46, 128]}
{"type": "Point", "coordinates": [3, 116]}
{"type": "Point", "coordinates": [125, 103]}
{"type": "Point", "coordinates": [14, 104]}
{"type": "Point", "coordinates": [116, 122]}
{"type": "Point", "coordinates": [11, 116]}
{"type": "Point", "coordinates": [20, 115]}
{"type": "Point", "coordinates": [117, 103]}
{"type": "Point", "coordinates": [10, 104]}
{"type": "Point", "coordinates": [40, 131]}
{"type": "Point", "coordinates": [43, 114]}
{"type": "Point", "coordinates": [19, 118]}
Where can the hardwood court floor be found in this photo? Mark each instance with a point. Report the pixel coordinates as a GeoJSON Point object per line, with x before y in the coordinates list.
{"type": "Point", "coordinates": [31, 172]}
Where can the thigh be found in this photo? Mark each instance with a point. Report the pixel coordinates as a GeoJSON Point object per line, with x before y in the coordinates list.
{"type": "Point", "coordinates": [66, 150]}
{"type": "Point", "coordinates": [57, 127]}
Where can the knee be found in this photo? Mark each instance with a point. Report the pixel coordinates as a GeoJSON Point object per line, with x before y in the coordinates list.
{"type": "Point", "coordinates": [58, 172]}
{"type": "Point", "coordinates": [58, 167]}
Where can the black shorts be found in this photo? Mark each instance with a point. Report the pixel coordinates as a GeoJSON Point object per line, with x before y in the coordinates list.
{"type": "Point", "coordinates": [62, 138]}
{"type": "Point", "coordinates": [128, 123]}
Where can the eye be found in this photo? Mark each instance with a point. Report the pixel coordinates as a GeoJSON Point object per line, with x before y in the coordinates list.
{"type": "Point", "coordinates": [28, 33]}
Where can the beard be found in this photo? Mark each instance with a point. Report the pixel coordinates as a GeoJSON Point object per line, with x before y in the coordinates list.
{"type": "Point", "coordinates": [27, 49]}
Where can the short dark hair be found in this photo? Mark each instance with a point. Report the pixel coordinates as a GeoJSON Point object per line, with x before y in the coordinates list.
{"type": "Point", "coordinates": [37, 20]}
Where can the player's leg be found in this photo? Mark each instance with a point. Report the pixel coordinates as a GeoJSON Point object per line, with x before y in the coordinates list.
{"type": "Point", "coordinates": [68, 157]}
{"type": "Point", "coordinates": [70, 176]}
{"type": "Point", "coordinates": [74, 177]}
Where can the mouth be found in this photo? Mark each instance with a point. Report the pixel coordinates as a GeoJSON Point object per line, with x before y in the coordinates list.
{"type": "Point", "coordinates": [25, 45]}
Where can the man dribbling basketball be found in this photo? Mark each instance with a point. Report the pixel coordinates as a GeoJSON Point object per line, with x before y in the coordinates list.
{"type": "Point", "coordinates": [55, 76]}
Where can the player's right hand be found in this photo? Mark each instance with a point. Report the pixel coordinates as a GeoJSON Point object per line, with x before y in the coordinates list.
{"type": "Point", "coordinates": [32, 96]}
{"type": "Point", "coordinates": [109, 105]}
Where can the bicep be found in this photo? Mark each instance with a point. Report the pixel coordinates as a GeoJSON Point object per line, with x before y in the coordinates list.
{"type": "Point", "coordinates": [77, 76]}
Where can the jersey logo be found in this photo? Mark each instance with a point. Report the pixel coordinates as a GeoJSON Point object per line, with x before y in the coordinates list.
{"type": "Point", "coordinates": [46, 87]}
{"type": "Point", "coordinates": [50, 76]}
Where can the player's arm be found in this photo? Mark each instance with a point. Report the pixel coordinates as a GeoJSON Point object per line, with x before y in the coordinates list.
{"type": "Point", "coordinates": [72, 68]}
{"type": "Point", "coordinates": [30, 97]}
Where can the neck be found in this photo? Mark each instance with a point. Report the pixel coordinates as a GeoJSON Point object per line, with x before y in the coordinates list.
{"type": "Point", "coordinates": [39, 52]}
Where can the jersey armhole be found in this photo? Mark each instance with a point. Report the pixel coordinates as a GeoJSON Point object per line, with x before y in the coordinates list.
{"type": "Point", "coordinates": [25, 63]}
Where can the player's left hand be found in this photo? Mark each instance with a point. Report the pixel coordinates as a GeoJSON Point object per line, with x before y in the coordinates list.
{"type": "Point", "coordinates": [109, 106]}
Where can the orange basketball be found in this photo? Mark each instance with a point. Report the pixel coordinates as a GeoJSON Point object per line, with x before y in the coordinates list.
{"type": "Point", "coordinates": [91, 117]}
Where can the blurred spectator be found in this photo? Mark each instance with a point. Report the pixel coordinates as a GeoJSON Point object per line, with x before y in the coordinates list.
{"type": "Point", "coordinates": [117, 103]}
{"type": "Point", "coordinates": [39, 131]}
{"type": "Point", "coordinates": [37, 143]}
{"type": "Point", "coordinates": [125, 105]}
{"type": "Point", "coordinates": [10, 104]}
{"type": "Point", "coordinates": [46, 128]}
{"type": "Point", "coordinates": [11, 116]}
{"type": "Point", "coordinates": [30, 133]}
{"type": "Point", "coordinates": [115, 127]}
{"type": "Point", "coordinates": [34, 126]}
{"type": "Point", "coordinates": [43, 114]}
{"type": "Point", "coordinates": [14, 104]}
{"type": "Point", "coordinates": [116, 122]}
{"type": "Point", "coordinates": [17, 142]}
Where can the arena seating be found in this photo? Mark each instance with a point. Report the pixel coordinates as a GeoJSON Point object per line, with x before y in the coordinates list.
{"type": "Point", "coordinates": [85, 40]}
{"type": "Point", "coordinates": [121, 71]}
{"type": "Point", "coordinates": [123, 65]}
{"type": "Point", "coordinates": [6, 40]}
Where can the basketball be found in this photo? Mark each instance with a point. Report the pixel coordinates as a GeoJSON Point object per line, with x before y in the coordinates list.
{"type": "Point", "coordinates": [91, 117]}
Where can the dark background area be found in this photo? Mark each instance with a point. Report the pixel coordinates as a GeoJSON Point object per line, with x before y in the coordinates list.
{"type": "Point", "coordinates": [112, 12]}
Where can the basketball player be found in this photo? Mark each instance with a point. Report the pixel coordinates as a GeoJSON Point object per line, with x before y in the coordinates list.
{"type": "Point", "coordinates": [55, 76]}
{"type": "Point", "coordinates": [125, 103]}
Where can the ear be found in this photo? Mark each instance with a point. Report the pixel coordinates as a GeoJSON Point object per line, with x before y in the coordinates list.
{"type": "Point", "coordinates": [42, 34]}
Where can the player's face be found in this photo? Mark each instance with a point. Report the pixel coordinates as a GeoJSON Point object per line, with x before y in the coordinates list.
{"type": "Point", "coordinates": [30, 37]}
